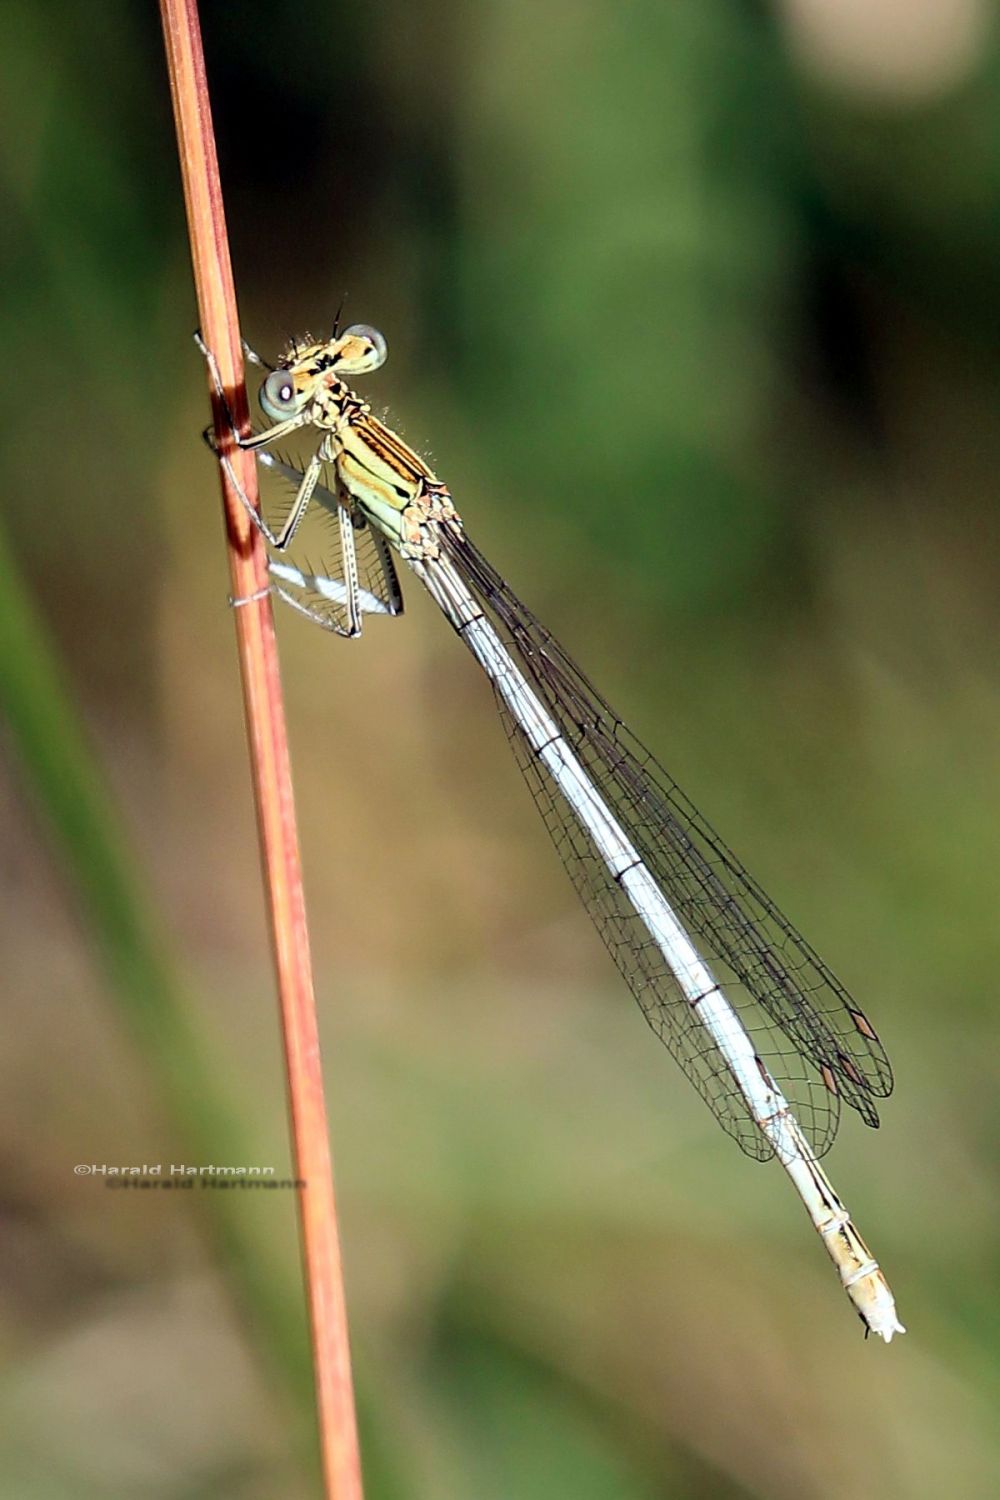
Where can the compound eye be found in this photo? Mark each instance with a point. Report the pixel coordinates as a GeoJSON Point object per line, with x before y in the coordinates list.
{"type": "Point", "coordinates": [277, 394]}
{"type": "Point", "coordinates": [377, 349]}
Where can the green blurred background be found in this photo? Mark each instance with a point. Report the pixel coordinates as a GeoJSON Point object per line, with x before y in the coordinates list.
{"type": "Point", "coordinates": [695, 308]}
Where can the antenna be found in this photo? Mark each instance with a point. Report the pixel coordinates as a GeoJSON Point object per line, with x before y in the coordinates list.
{"type": "Point", "coordinates": [336, 320]}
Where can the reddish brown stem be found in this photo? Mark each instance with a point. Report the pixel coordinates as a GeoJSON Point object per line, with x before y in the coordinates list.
{"type": "Point", "coordinates": [269, 761]}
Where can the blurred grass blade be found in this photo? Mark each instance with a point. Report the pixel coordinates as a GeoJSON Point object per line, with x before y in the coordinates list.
{"type": "Point", "coordinates": [69, 792]}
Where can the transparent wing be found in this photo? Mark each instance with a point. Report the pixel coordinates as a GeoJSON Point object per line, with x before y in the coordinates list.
{"type": "Point", "coordinates": [817, 1044]}
{"type": "Point", "coordinates": [310, 573]}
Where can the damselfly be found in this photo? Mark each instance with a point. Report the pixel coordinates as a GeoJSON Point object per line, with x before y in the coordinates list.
{"type": "Point", "coordinates": [762, 1028]}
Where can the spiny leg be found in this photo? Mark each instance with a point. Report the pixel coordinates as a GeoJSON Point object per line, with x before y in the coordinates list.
{"type": "Point", "coordinates": [351, 583]}
{"type": "Point", "coordinates": [213, 370]}
{"type": "Point", "coordinates": [278, 540]}
{"type": "Point", "coordinates": [342, 589]}
{"type": "Point", "coordinates": [349, 561]}
{"type": "Point", "coordinates": [259, 439]}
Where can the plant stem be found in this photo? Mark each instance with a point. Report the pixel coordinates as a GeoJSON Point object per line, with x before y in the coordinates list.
{"type": "Point", "coordinates": [269, 762]}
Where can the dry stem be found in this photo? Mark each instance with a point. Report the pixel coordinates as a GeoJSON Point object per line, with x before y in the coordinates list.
{"type": "Point", "coordinates": [269, 761]}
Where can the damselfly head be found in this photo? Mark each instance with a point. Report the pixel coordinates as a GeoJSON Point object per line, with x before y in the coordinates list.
{"type": "Point", "coordinates": [306, 365]}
